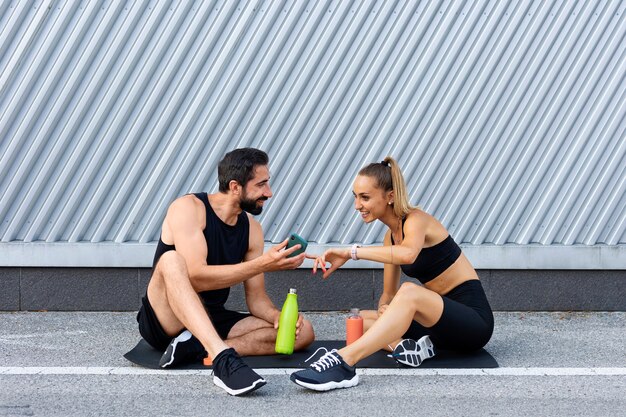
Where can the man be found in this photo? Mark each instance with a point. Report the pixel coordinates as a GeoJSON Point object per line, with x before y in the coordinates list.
{"type": "Point", "coordinates": [209, 243]}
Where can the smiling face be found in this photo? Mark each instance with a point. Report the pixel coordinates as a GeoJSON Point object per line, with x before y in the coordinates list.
{"type": "Point", "coordinates": [256, 191]}
{"type": "Point", "coordinates": [369, 200]}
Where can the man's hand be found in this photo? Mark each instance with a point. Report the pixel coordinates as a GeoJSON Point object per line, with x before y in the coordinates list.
{"type": "Point", "coordinates": [298, 323]}
{"type": "Point", "coordinates": [276, 259]}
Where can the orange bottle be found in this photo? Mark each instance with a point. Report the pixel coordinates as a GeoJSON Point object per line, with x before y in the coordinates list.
{"type": "Point", "coordinates": [354, 326]}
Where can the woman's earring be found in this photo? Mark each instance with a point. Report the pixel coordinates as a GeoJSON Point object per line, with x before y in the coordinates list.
{"type": "Point", "coordinates": [390, 203]}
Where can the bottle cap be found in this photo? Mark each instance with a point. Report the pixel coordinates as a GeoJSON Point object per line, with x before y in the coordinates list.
{"type": "Point", "coordinates": [292, 291]}
{"type": "Point", "coordinates": [354, 312]}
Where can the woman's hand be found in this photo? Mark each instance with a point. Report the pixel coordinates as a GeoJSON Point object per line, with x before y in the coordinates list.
{"type": "Point", "coordinates": [336, 257]}
{"type": "Point", "coordinates": [382, 308]}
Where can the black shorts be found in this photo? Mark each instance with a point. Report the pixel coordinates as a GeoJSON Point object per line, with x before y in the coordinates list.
{"type": "Point", "coordinates": [466, 322]}
{"type": "Point", "coordinates": [150, 329]}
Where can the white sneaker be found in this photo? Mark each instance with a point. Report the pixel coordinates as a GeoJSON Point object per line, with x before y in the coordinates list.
{"type": "Point", "coordinates": [411, 353]}
{"type": "Point", "coordinates": [233, 375]}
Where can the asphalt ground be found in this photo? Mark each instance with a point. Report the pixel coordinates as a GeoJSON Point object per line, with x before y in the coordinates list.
{"type": "Point", "coordinates": [552, 364]}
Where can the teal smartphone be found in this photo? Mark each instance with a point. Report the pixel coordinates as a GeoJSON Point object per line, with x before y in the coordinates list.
{"type": "Point", "coordinates": [294, 239]}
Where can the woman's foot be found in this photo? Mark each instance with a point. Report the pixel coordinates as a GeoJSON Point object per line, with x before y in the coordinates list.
{"type": "Point", "coordinates": [328, 372]}
{"type": "Point", "coordinates": [411, 353]}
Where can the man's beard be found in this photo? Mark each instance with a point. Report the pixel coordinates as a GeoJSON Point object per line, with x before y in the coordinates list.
{"type": "Point", "coordinates": [251, 205]}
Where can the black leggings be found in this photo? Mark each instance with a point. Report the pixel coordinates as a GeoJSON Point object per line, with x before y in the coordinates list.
{"type": "Point", "coordinates": [466, 322]}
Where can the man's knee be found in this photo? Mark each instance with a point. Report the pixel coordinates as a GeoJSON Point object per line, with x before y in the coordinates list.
{"type": "Point", "coordinates": [171, 262]}
{"type": "Point", "coordinates": [170, 267]}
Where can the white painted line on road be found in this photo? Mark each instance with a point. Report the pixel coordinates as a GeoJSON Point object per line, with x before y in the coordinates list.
{"type": "Point", "coordinates": [500, 371]}
{"type": "Point", "coordinates": [52, 370]}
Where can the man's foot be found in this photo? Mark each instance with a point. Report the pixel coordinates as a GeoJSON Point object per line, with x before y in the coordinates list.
{"type": "Point", "coordinates": [232, 374]}
{"type": "Point", "coordinates": [328, 372]}
{"type": "Point", "coordinates": [184, 348]}
{"type": "Point", "coordinates": [411, 353]}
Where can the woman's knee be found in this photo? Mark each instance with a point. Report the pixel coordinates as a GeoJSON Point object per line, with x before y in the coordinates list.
{"type": "Point", "coordinates": [417, 296]}
{"type": "Point", "coordinates": [409, 290]}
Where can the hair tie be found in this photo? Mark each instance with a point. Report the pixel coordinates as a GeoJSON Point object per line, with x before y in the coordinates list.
{"type": "Point", "coordinates": [385, 163]}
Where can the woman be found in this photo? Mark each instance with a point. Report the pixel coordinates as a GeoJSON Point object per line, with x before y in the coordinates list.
{"type": "Point", "coordinates": [450, 310]}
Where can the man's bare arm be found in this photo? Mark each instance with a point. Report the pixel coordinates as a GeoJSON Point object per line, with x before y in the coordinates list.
{"type": "Point", "coordinates": [257, 299]}
{"type": "Point", "coordinates": [184, 223]}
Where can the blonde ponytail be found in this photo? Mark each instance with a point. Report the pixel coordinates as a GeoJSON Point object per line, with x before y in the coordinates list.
{"type": "Point", "coordinates": [402, 206]}
{"type": "Point", "coordinates": [389, 178]}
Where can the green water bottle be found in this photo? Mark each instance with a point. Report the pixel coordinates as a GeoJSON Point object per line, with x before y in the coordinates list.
{"type": "Point", "coordinates": [286, 337]}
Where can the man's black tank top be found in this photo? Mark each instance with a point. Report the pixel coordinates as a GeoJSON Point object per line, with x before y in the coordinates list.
{"type": "Point", "coordinates": [226, 245]}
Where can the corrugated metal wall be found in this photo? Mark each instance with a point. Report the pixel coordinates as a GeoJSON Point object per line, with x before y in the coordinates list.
{"type": "Point", "coordinates": [509, 118]}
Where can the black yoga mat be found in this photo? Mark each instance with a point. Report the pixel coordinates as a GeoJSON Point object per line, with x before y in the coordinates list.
{"type": "Point", "coordinates": [144, 355]}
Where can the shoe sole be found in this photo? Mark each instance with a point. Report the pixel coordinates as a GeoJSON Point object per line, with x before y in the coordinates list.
{"type": "Point", "coordinates": [416, 352]}
{"type": "Point", "coordinates": [171, 349]}
{"type": "Point", "coordinates": [255, 385]}
{"type": "Point", "coordinates": [346, 383]}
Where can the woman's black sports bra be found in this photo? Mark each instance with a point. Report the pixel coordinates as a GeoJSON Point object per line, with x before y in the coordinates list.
{"type": "Point", "coordinates": [432, 261]}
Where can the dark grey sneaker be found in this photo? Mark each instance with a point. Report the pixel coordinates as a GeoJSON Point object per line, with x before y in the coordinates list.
{"type": "Point", "coordinates": [328, 372]}
{"type": "Point", "coordinates": [184, 348]}
{"type": "Point", "coordinates": [412, 353]}
{"type": "Point", "coordinates": [232, 374]}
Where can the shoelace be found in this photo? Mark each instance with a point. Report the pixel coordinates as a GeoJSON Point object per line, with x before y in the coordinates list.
{"type": "Point", "coordinates": [392, 354]}
{"type": "Point", "coordinates": [328, 360]}
{"type": "Point", "coordinates": [315, 353]}
{"type": "Point", "coordinates": [233, 363]}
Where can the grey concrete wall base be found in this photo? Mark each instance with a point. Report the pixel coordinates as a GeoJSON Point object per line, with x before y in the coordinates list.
{"type": "Point", "coordinates": [10, 289]}
{"type": "Point", "coordinates": [562, 290]}
{"type": "Point", "coordinates": [92, 289]}
{"type": "Point", "coordinates": [121, 289]}
{"type": "Point", "coordinates": [345, 289]}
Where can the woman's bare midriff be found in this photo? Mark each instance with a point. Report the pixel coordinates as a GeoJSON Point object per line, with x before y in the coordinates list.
{"type": "Point", "coordinates": [459, 272]}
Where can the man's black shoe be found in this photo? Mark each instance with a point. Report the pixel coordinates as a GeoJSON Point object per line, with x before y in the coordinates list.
{"type": "Point", "coordinates": [232, 374]}
{"type": "Point", "coordinates": [184, 348]}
